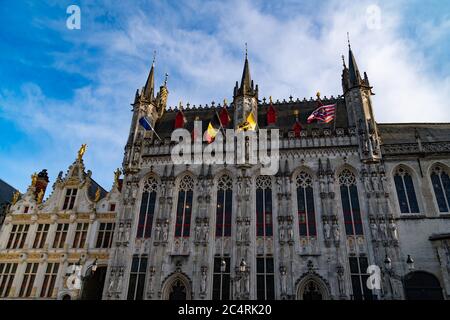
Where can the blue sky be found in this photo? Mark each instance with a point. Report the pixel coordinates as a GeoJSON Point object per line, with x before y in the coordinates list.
{"type": "Point", "coordinates": [60, 88]}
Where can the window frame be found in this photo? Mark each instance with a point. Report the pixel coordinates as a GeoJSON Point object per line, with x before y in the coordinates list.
{"type": "Point", "coordinates": [102, 233]}
{"type": "Point", "coordinates": [409, 196]}
{"type": "Point", "coordinates": [305, 193]}
{"type": "Point", "coordinates": [60, 235]}
{"type": "Point", "coordinates": [41, 235]}
{"type": "Point", "coordinates": [70, 198]}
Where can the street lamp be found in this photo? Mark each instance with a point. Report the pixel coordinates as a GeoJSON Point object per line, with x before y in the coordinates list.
{"type": "Point", "coordinates": [388, 263]}
{"type": "Point", "coordinates": [410, 262]}
{"type": "Point", "coordinates": [94, 265]}
{"type": "Point", "coordinates": [223, 265]}
{"type": "Point", "coordinates": [243, 266]}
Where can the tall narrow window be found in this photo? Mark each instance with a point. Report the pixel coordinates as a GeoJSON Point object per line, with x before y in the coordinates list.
{"type": "Point", "coordinates": [69, 200]}
{"type": "Point", "coordinates": [28, 280]}
{"type": "Point", "coordinates": [137, 277]}
{"type": "Point", "coordinates": [350, 203]}
{"type": "Point", "coordinates": [305, 205]}
{"type": "Point", "coordinates": [224, 206]}
{"type": "Point", "coordinates": [265, 281]}
{"type": "Point", "coordinates": [145, 223]}
{"type": "Point", "coordinates": [441, 186]}
{"type": "Point", "coordinates": [405, 191]}
{"type": "Point", "coordinates": [7, 273]}
{"type": "Point", "coordinates": [17, 236]}
{"type": "Point", "coordinates": [60, 235]}
{"type": "Point", "coordinates": [264, 206]}
{"type": "Point", "coordinates": [41, 236]}
{"type": "Point", "coordinates": [221, 278]}
{"type": "Point", "coordinates": [49, 280]}
{"type": "Point", "coordinates": [105, 235]}
{"type": "Point", "coordinates": [80, 235]}
{"type": "Point", "coordinates": [184, 207]}
{"type": "Point", "coordinates": [359, 276]}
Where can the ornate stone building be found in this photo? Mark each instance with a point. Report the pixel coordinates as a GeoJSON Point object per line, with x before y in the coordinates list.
{"type": "Point", "coordinates": [351, 197]}
{"type": "Point", "coordinates": [349, 194]}
{"type": "Point", "coordinates": [50, 248]}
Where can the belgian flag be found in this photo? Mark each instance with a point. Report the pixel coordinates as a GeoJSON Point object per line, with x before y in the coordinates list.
{"type": "Point", "coordinates": [213, 128]}
{"type": "Point", "coordinates": [249, 124]}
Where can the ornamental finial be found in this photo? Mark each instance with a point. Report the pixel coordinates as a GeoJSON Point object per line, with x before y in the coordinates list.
{"type": "Point", "coordinates": [81, 151]}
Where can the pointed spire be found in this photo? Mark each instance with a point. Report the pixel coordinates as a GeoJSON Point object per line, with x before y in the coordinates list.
{"type": "Point", "coordinates": [354, 75]}
{"type": "Point", "coordinates": [246, 87]}
{"type": "Point", "coordinates": [246, 80]}
{"type": "Point", "coordinates": [149, 88]}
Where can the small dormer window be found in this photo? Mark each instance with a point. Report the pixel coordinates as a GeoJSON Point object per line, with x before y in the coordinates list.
{"type": "Point", "coordinates": [112, 207]}
{"type": "Point", "coordinates": [25, 209]}
{"type": "Point", "coordinates": [69, 200]}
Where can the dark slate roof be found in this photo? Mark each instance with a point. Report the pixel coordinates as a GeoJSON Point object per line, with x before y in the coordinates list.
{"type": "Point", "coordinates": [395, 133]}
{"type": "Point", "coordinates": [6, 192]}
{"type": "Point", "coordinates": [93, 189]}
{"type": "Point", "coordinates": [439, 236]}
{"type": "Point", "coordinates": [284, 110]}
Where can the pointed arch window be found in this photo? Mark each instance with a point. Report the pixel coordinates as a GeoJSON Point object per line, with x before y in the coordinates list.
{"type": "Point", "coordinates": [405, 191]}
{"type": "Point", "coordinates": [350, 203]}
{"type": "Point", "coordinates": [184, 207]}
{"type": "Point", "coordinates": [305, 205]}
{"type": "Point", "coordinates": [264, 206]}
{"type": "Point", "coordinates": [224, 206]}
{"type": "Point", "coordinates": [441, 186]}
{"type": "Point", "coordinates": [147, 210]}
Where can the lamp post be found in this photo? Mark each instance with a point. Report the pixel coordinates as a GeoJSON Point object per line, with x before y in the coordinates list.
{"type": "Point", "coordinates": [90, 270]}
{"type": "Point", "coordinates": [410, 263]}
{"type": "Point", "coordinates": [390, 272]}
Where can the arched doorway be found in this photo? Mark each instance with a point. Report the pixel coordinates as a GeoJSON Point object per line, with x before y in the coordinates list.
{"type": "Point", "coordinates": [312, 288]}
{"type": "Point", "coordinates": [92, 288]}
{"type": "Point", "coordinates": [421, 285]}
{"type": "Point", "coordinates": [177, 287]}
{"type": "Point", "coordinates": [178, 291]}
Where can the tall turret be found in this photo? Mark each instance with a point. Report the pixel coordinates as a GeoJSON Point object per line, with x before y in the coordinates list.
{"type": "Point", "coordinates": [245, 96]}
{"type": "Point", "coordinates": [358, 92]}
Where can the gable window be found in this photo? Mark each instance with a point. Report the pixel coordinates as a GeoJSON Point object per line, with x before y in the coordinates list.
{"type": "Point", "coordinates": [350, 203]}
{"type": "Point", "coordinates": [405, 191]}
{"type": "Point", "coordinates": [147, 211]}
{"type": "Point", "coordinates": [105, 235]}
{"type": "Point", "coordinates": [137, 277]}
{"type": "Point", "coordinates": [17, 236]}
{"type": "Point", "coordinates": [41, 236]}
{"type": "Point", "coordinates": [264, 206]}
{"type": "Point", "coordinates": [49, 280]}
{"type": "Point", "coordinates": [112, 207]}
{"type": "Point", "coordinates": [69, 199]}
{"type": "Point", "coordinates": [7, 273]}
{"type": "Point", "coordinates": [184, 207]}
{"type": "Point", "coordinates": [224, 206]}
{"type": "Point", "coordinates": [265, 281]}
{"type": "Point", "coordinates": [359, 276]}
{"type": "Point", "coordinates": [60, 235]}
{"type": "Point", "coordinates": [441, 186]}
{"type": "Point", "coordinates": [28, 280]}
{"type": "Point", "coordinates": [305, 205]}
{"type": "Point", "coordinates": [80, 235]}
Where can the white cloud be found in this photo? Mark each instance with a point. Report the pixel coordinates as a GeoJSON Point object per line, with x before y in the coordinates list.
{"type": "Point", "coordinates": [295, 53]}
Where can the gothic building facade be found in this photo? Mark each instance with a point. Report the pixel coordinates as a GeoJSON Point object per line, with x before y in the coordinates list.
{"type": "Point", "coordinates": [357, 209]}
{"type": "Point", "coordinates": [349, 194]}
